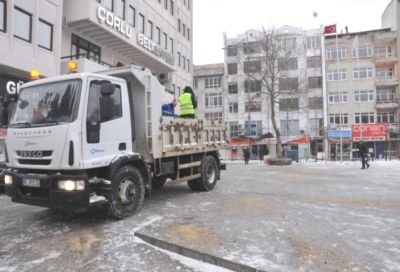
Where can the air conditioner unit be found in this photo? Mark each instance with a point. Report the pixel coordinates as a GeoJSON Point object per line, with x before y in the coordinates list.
{"type": "Point", "coordinates": [164, 77]}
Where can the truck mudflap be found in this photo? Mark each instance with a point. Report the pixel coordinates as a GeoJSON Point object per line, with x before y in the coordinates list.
{"type": "Point", "coordinates": [43, 190]}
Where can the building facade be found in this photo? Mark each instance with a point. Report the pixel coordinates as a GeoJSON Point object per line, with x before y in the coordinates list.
{"type": "Point", "coordinates": [362, 82]}
{"type": "Point", "coordinates": [98, 34]}
{"type": "Point", "coordinates": [299, 92]}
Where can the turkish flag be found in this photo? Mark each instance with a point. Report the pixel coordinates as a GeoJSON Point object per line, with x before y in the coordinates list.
{"type": "Point", "coordinates": [330, 29]}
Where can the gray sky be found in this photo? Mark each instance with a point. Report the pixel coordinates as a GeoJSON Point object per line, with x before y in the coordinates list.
{"type": "Point", "coordinates": [214, 17]}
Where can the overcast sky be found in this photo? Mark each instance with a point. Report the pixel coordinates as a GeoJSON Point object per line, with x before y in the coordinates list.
{"type": "Point", "coordinates": [214, 17]}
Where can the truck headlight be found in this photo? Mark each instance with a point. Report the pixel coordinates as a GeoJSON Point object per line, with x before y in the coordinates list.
{"type": "Point", "coordinates": [71, 185]}
{"type": "Point", "coordinates": [7, 180]}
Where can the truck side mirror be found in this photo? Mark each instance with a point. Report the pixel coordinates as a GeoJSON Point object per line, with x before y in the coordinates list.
{"type": "Point", "coordinates": [107, 104]}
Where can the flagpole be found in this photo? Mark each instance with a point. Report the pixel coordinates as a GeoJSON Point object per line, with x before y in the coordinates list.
{"type": "Point", "coordinates": [340, 96]}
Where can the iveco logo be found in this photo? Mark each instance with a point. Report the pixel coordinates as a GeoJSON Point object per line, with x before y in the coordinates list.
{"type": "Point", "coordinates": [32, 154]}
{"type": "Point", "coordinates": [96, 150]}
{"type": "Point", "coordinates": [28, 143]}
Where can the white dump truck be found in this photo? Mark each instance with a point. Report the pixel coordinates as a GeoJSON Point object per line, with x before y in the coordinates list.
{"type": "Point", "coordinates": [85, 139]}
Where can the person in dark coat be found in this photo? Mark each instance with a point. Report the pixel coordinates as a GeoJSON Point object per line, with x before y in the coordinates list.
{"type": "Point", "coordinates": [246, 155]}
{"type": "Point", "coordinates": [363, 153]}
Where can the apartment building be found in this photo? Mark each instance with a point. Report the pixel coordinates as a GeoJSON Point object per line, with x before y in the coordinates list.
{"type": "Point", "coordinates": [208, 88]}
{"type": "Point", "coordinates": [299, 107]}
{"type": "Point", "coordinates": [362, 83]}
{"type": "Point", "coordinates": [98, 34]}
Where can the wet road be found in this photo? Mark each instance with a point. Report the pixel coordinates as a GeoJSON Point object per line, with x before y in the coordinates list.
{"type": "Point", "coordinates": [310, 217]}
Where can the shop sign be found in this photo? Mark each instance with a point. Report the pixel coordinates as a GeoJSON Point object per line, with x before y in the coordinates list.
{"type": "Point", "coordinates": [154, 48]}
{"type": "Point", "coordinates": [10, 85]}
{"type": "Point", "coordinates": [343, 133]}
{"type": "Point", "coordinates": [369, 132]}
{"type": "Point", "coordinates": [107, 17]}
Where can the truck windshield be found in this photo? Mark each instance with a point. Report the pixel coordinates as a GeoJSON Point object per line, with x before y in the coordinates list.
{"type": "Point", "coordinates": [47, 105]}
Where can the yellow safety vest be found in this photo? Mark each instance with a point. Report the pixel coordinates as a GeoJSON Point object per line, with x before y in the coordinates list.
{"type": "Point", "coordinates": [185, 103]}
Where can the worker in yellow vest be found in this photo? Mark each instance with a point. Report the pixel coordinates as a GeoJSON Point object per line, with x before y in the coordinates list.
{"type": "Point", "coordinates": [187, 103]}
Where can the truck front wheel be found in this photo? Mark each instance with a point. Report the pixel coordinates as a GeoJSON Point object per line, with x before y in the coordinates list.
{"type": "Point", "coordinates": [127, 193]}
{"type": "Point", "coordinates": [209, 176]}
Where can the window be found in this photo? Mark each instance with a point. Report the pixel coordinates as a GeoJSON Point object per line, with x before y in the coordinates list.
{"type": "Point", "coordinates": [232, 88]}
{"type": "Point", "coordinates": [81, 47]}
{"type": "Point", "coordinates": [93, 108]}
{"type": "Point", "coordinates": [166, 4]}
{"type": "Point", "coordinates": [251, 48]}
{"type": "Point", "coordinates": [171, 42]}
{"type": "Point", "coordinates": [109, 4]}
{"type": "Point", "coordinates": [315, 103]}
{"type": "Point", "coordinates": [313, 42]}
{"type": "Point", "coordinates": [141, 23]}
{"type": "Point", "coordinates": [165, 41]}
{"type": "Point", "coordinates": [285, 64]}
{"type": "Point", "coordinates": [314, 62]}
{"type": "Point", "coordinates": [22, 24]}
{"type": "Point", "coordinates": [334, 54]}
{"type": "Point", "coordinates": [315, 126]}
{"type": "Point", "coordinates": [288, 84]}
{"type": "Point", "coordinates": [289, 104]}
{"type": "Point", "coordinates": [232, 68]}
{"type": "Point", "coordinates": [213, 82]}
{"type": "Point", "coordinates": [120, 9]}
{"type": "Point", "coordinates": [337, 97]}
{"type": "Point", "coordinates": [364, 96]}
{"type": "Point", "coordinates": [253, 105]}
{"type": "Point", "coordinates": [179, 59]}
{"type": "Point", "coordinates": [188, 65]}
{"type": "Point", "coordinates": [255, 128]}
{"type": "Point", "coordinates": [158, 35]}
{"type": "Point", "coordinates": [383, 52]}
{"type": "Point", "coordinates": [335, 74]}
{"type": "Point", "coordinates": [234, 129]}
{"type": "Point", "coordinates": [252, 86]}
{"type": "Point", "coordinates": [385, 117]}
{"type": "Point", "coordinates": [3, 17]}
{"type": "Point", "coordinates": [150, 29]}
{"type": "Point", "coordinates": [213, 100]}
{"type": "Point", "coordinates": [188, 34]}
{"type": "Point", "coordinates": [339, 119]}
{"type": "Point", "coordinates": [183, 62]}
{"type": "Point", "coordinates": [385, 94]}
{"type": "Point", "coordinates": [45, 35]}
{"type": "Point", "coordinates": [233, 107]}
{"type": "Point", "coordinates": [315, 82]}
{"type": "Point", "coordinates": [383, 73]}
{"type": "Point", "coordinates": [289, 127]}
{"type": "Point", "coordinates": [213, 115]}
{"type": "Point", "coordinates": [183, 30]}
{"type": "Point", "coordinates": [171, 6]}
{"type": "Point", "coordinates": [195, 83]}
{"type": "Point", "coordinates": [366, 118]}
{"type": "Point", "coordinates": [131, 16]}
{"type": "Point", "coordinates": [252, 66]}
{"type": "Point", "coordinates": [362, 72]}
{"type": "Point", "coordinates": [231, 51]}
{"type": "Point", "coordinates": [179, 25]}
{"type": "Point", "coordinates": [287, 43]}
{"type": "Point", "coordinates": [363, 52]}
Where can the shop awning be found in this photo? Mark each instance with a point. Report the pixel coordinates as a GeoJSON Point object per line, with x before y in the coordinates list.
{"type": "Point", "coordinates": [301, 140]}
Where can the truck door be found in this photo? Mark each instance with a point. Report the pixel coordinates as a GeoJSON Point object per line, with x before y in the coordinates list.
{"type": "Point", "coordinates": [105, 129]}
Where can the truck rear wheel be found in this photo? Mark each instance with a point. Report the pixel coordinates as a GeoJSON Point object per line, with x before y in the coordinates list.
{"type": "Point", "coordinates": [209, 175]}
{"type": "Point", "coordinates": [127, 193]}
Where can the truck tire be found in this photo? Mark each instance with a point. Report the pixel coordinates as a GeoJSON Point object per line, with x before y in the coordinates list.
{"type": "Point", "coordinates": [127, 193]}
{"type": "Point", "coordinates": [209, 175]}
{"type": "Point", "coordinates": [158, 182]}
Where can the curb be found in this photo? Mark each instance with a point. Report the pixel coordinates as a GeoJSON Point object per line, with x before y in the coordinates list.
{"type": "Point", "coordinates": [197, 255]}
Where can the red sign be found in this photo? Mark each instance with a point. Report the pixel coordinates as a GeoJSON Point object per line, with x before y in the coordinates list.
{"type": "Point", "coordinates": [369, 132]}
{"type": "Point", "coordinates": [3, 133]}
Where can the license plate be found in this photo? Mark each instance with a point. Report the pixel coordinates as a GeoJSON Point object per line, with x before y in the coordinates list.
{"type": "Point", "coordinates": [30, 182]}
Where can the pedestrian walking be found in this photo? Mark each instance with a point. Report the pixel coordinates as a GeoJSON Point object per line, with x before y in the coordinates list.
{"type": "Point", "coordinates": [363, 153]}
{"type": "Point", "coordinates": [246, 155]}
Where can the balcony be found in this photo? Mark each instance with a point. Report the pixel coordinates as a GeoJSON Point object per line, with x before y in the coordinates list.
{"type": "Point", "coordinates": [386, 81]}
{"type": "Point", "coordinates": [387, 104]}
{"type": "Point", "coordinates": [383, 60]}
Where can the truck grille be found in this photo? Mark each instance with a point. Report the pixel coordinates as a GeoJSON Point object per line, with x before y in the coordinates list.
{"type": "Point", "coordinates": [34, 157]}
